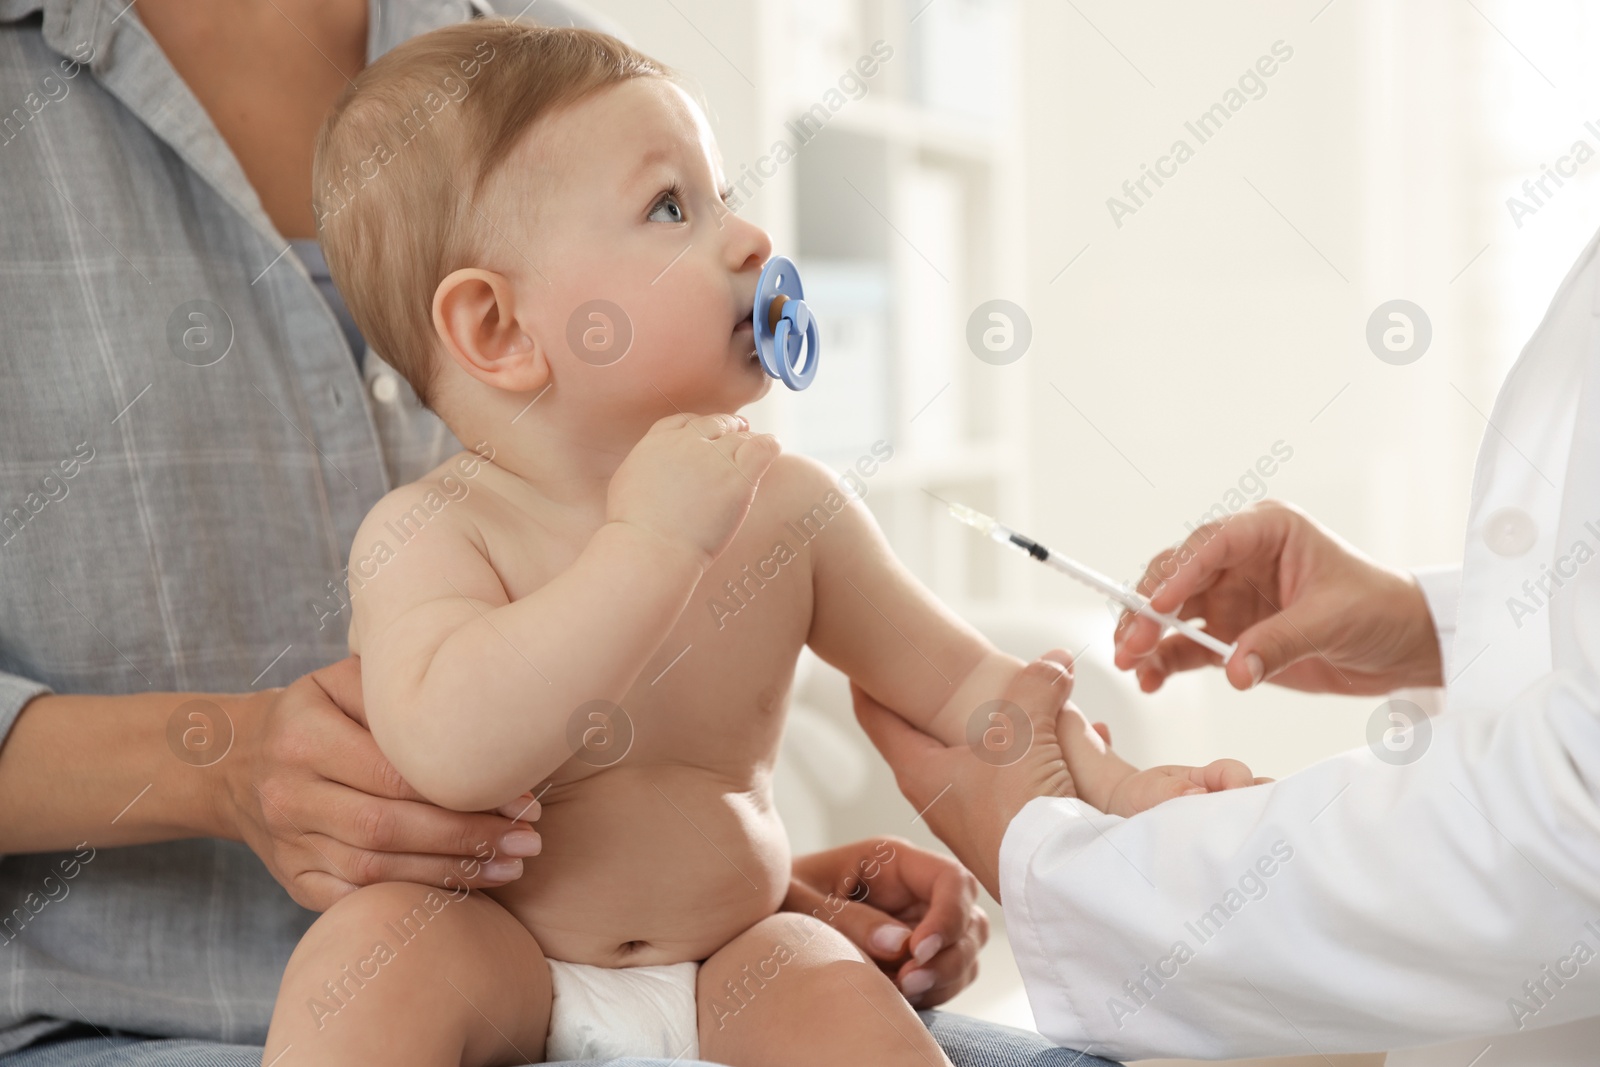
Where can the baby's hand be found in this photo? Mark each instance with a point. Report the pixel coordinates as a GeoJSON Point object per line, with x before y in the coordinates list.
{"type": "Point", "coordinates": [690, 481]}
{"type": "Point", "coordinates": [1117, 787]}
{"type": "Point", "coordinates": [1143, 790]}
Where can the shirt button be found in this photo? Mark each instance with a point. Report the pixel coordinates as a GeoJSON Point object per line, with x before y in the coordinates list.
{"type": "Point", "coordinates": [1510, 532]}
{"type": "Point", "coordinates": [385, 389]}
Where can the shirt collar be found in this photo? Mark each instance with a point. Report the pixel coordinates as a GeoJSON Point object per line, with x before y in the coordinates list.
{"type": "Point", "coordinates": [127, 63]}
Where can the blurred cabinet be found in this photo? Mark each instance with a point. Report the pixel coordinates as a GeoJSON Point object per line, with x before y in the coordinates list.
{"type": "Point", "coordinates": [905, 214]}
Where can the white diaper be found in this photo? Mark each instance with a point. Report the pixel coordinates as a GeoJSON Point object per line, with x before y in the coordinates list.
{"type": "Point", "coordinates": [603, 1013]}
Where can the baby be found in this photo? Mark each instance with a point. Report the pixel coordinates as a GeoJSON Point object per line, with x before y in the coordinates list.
{"type": "Point", "coordinates": [530, 226]}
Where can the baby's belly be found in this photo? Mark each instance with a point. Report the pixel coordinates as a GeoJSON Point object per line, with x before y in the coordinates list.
{"type": "Point", "coordinates": [649, 864]}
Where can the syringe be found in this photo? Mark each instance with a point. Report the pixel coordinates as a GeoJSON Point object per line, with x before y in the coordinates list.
{"type": "Point", "coordinates": [1092, 578]}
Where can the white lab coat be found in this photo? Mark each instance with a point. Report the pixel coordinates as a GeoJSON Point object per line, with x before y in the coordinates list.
{"type": "Point", "coordinates": [1361, 905]}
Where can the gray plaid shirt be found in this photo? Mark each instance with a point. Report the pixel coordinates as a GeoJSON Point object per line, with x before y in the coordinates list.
{"type": "Point", "coordinates": [186, 448]}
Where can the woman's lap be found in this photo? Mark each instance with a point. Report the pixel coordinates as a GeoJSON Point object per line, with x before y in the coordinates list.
{"type": "Point", "coordinates": [968, 1042]}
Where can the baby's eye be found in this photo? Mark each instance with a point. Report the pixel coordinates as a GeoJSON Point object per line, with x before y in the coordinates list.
{"type": "Point", "coordinates": [670, 202]}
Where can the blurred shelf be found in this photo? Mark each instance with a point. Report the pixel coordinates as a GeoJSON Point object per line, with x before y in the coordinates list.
{"type": "Point", "coordinates": [913, 125]}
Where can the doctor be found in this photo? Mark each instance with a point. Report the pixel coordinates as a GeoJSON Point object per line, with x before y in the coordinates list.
{"type": "Point", "coordinates": [1440, 884]}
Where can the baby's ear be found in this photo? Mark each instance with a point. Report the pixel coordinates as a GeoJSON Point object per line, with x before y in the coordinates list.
{"type": "Point", "coordinates": [476, 316]}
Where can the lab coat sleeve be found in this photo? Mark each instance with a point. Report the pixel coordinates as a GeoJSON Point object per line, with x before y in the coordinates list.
{"type": "Point", "coordinates": [1358, 905]}
{"type": "Point", "coordinates": [1441, 588]}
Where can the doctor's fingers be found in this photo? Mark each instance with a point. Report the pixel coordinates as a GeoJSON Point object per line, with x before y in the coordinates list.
{"type": "Point", "coordinates": [1136, 636]}
{"type": "Point", "coordinates": [1173, 654]}
{"type": "Point", "coordinates": [1251, 539]}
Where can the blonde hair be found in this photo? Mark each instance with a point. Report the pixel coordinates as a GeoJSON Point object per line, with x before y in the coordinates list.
{"type": "Point", "coordinates": [408, 148]}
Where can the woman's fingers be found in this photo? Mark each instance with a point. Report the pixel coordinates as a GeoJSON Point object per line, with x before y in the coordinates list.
{"type": "Point", "coordinates": [941, 897]}
{"type": "Point", "coordinates": [949, 971]}
{"type": "Point", "coordinates": [341, 683]}
{"type": "Point", "coordinates": [524, 807]}
{"type": "Point", "coordinates": [905, 748]}
{"type": "Point", "coordinates": [909, 909]}
{"type": "Point", "coordinates": [379, 825]}
{"type": "Point", "coordinates": [347, 755]}
{"type": "Point", "coordinates": [950, 891]}
{"type": "Point", "coordinates": [327, 813]}
{"type": "Point", "coordinates": [364, 867]}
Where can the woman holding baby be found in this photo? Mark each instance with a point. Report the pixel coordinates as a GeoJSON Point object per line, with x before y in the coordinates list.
{"type": "Point", "coordinates": [192, 431]}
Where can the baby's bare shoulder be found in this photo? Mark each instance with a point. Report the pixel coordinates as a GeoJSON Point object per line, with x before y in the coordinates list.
{"type": "Point", "coordinates": [798, 484]}
{"type": "Point", "coordinates": [441, 501]}
{"type": "Point", "coordinates": [795, 480]}
{"type": "Point", "coordinates": [415, 534]}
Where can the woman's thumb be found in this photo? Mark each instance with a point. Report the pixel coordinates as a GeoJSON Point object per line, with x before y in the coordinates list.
{"type": "Point", "coordinates": [1266, 648]}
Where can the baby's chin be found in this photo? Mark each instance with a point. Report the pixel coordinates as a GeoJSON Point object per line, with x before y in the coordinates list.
{"type": "Point", "coordinates": [744, 385]}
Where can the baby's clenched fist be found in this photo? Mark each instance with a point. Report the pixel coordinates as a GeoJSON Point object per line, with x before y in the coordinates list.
{"type": "Point", "coordinates": [690, 481]}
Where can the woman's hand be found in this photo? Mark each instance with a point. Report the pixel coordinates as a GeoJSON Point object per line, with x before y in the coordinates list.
{"type": "Point", "coordinates": [968, 802]}
{"type": "Point", "coordinates": [913, 911]}
{"type": "Point", "coordinates": [1307, 610]}
{"type": "Point", "coordinates": [308, 790]}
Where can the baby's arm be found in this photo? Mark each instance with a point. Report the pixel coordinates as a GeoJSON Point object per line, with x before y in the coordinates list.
{"type": "Point", "coordinates": [874, 621]}
{"type": "Point", "coordinates": [468, 692]}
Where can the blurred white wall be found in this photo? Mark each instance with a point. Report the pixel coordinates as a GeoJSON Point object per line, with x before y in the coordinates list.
{"type": "Point", "coordinates": [1228, 313]}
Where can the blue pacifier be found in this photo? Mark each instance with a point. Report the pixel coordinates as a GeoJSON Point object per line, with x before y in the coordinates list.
{"type": "Point", "coordinates": [784, 326]}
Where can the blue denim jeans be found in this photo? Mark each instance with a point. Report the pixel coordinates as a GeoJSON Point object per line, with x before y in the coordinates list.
{"type": "Point", "coordinates": [968, 1043]}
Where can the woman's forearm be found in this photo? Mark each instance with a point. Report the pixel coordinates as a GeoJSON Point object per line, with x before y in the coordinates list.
{"type": "Point", "coordinates": [100, 769]}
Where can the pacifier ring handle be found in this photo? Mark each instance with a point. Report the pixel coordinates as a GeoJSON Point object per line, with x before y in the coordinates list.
{"type": "Point", "coordinates": [784, 326]}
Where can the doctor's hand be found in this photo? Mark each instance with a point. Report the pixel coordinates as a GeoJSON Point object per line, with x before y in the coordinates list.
{"type": "Point", "coordinates": [968, 802]}
{"type": "Point", "coordinates": [914, 912]}
{"type": "Point", "coordinates": [1308, 611]}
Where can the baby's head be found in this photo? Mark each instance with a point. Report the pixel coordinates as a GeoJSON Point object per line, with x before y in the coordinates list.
{"type": "Point", "coordinates": [505, 207]}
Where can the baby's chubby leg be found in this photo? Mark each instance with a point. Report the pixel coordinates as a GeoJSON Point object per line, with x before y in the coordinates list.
{"type": "Point", "coordinates": [399, 973]}
{"type": "Point", "coordinates": [793, 990]}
